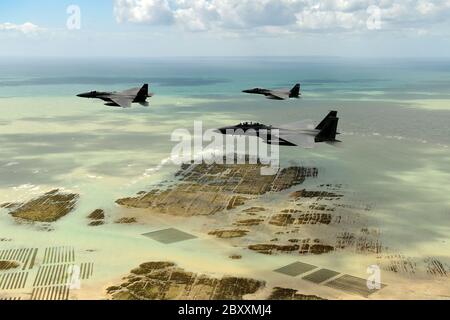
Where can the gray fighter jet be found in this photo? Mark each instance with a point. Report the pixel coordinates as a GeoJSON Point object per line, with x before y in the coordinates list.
{"type": "Point", "coordinates": [277, 94]}
{"type": "Point", "coordinates": [122, 99]}
{"type": "Point", "coordinates": [291, 135]}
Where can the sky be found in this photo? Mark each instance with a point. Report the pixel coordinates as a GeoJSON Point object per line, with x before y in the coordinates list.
{"type": "Point", "coordinates": [160, 28]}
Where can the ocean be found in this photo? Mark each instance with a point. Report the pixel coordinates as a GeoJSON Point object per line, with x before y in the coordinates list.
{"type": "Point", "coordinates": [394, 154]}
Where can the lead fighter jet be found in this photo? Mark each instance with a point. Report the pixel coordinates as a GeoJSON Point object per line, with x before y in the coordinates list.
{"type": "Point", "coordinates": [277, 94]}
{"type": "Point", "coordinates": [292, 135]}
{"type": "Point", "coordinates": [122, 99]}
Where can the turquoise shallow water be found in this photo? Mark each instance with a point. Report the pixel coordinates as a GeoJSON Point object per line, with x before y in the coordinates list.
{"type": "Point", "coordinates": [394, 122]}
{"type": "Point", "coordinates": [43, 122]}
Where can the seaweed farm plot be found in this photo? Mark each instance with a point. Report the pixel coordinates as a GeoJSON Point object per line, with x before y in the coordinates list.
{"type": "Point", "coordinates": [169, 236]}
{"type": "Point", "coordinates": [14, 268]}
{"type": "Point", "coordinates": [353, 285]}
{"type": "Point", "coordinates": [162, 280]}
{"type": "Point", "coordinates": [412, 266]}
{"type": "Point", "coordinates": [295, 269]}
{"type": "Point", "coordinates": [166, 281]}
{"type": "Point", "coordinates": [303, 221]}
{"type": "Point", "coordinates": [49, 207]}
{"type": "Point", "coordinates": [24, 257]}
{"type": "Point", "coordinates": [207, 189]}
{"type": "Point", "coordinates": [62, 274]}
{"type": "Point", "coordinates": [330, 278]}
{"type": "Point", "coordinates": [58, 274]}
{"type": "Point", "coordinates": [11, 299]}
{"type": "Point", "coordinates": [13, 280]}
{"type": "Point", "coordinates": [49, 274]}
{"type": "Point", "coordinates": [51, 293]}
{"type": "Point", "coordinates": [59, 255]}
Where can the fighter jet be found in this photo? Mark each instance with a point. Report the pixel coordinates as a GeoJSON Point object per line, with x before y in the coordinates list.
{"type": "Point", "coordinates": [122, 99]}
{"type": "Point", "coordinates": [277, 94]}
{"type": "Point", "coordinates": [291, 135]}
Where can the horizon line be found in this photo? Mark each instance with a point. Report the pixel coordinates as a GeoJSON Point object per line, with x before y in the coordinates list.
{"type": "Point", "coordinates": [224, 56]}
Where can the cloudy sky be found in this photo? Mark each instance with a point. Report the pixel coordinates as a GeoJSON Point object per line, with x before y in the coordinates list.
{"type": "Point", "coordinates": [225, 28]}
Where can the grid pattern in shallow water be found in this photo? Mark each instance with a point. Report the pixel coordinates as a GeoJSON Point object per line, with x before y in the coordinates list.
{"type": "Point", "coordinates": [168, 236]}
{"type": "Point", "coordinates": [295, 269]}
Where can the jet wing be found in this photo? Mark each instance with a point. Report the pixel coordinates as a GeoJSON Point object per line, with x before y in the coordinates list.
{"type": "Point", "coordinates": [291, 138]}
{"type": "Point", "coordinates": [124, 102]}
{"type": "Point", "coordinates": [278, 95]}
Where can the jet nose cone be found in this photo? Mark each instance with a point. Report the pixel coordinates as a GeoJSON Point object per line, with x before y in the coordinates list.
{"type": "Point", "coordinates": [246, 91]}
{"type": "Point", "coordinates": [83, 95]}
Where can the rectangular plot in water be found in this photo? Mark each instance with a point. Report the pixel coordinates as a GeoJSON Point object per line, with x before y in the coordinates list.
{"type": "Point", "coordinates": [10, 298]}
{"type": "Point", "coordinates": [353, 285]}
{"type": "Point", "coordinates": [13, 281]}
{"type": "Point", "coordinates": [86, 270]}
{"type": "Point", "coordinates": [169, 236]}
{"type": "Point", "coordinates": [320, 276]}
{"type": "Point", "coordinates": [59, 255]}
{"type": "Point", "coordinates": [53, 275]}
{"type": "Point", "coordinates": [26, 256]}
{"type": "Point", "coordinates": [295, 269]}
{"type": "Point", "coordinates": [51, 293]}
{"type": "Point", "coordinates": [30, 259]}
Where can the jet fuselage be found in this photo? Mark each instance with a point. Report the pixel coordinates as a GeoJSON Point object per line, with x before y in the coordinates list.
{"type": "Point", "coordinates": [257, 91]}
{"type": "Point", "coordinates": [120, 99]}
{"type": "Point", "coordinates": [324, 132]}
{"type": "Point", "coordinates": [106, 96]}
{"type": "Point", "coordinates": [277, 94]}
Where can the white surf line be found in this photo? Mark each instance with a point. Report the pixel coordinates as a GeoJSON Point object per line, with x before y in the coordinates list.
{"type": "Point", "coordinates": [395, 137]}
{"type": "Point", "coordinates": [174, 160]}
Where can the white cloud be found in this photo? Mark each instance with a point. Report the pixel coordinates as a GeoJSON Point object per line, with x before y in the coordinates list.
{"type": "Point", "coordinates": [155, 12]}
{"type": "Point", "coordinates": [26, 28]}
{"type": "Point", "coordinates": [426, 7]}
{"type": "Point", "coordinates": [329, 20]}
{"type": "Point", "coordinates": [196, 15]}
{"type": "Point", "coordinates": [251, 14]}
{"type": "Point", "coordinates": [286, 16]}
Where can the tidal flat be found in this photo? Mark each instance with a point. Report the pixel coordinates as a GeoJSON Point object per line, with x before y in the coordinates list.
{"type": "Point", "coordinates": [378, 200]}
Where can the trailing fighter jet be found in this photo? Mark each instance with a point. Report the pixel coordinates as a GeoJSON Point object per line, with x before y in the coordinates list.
{"type": "Point", "coordinates": [122, 99]}
{"type": "Point", "coordinates": [292, 135]}
{"type": "Point", "coordinates": [277, 94]}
